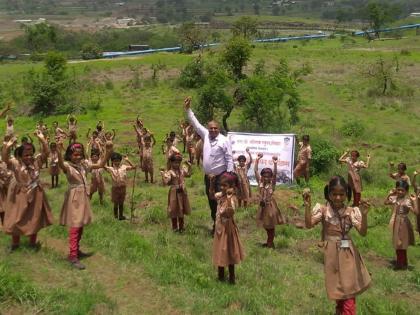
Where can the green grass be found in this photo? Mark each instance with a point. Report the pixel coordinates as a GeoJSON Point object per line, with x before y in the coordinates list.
{"type": "Point", "coordinates": [288, 280]}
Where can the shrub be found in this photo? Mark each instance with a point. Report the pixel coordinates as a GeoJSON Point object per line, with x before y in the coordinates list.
{"type": "Point", "coordinates": [352, 128]}
{"type": "Point", "coordinates": [192, 76]}
{"type": "Point", "coordinates": [324, 155]}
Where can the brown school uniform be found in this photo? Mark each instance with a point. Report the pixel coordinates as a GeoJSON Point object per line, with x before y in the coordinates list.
{"type": "Point", "coordinates": [244, 190]}
{"type": "Point", "coordinates": [76, 210]}
{"type": "Point", "coordinates": [54, 169]}
{"type": "Point", "coordinates": [190, 143]}
{"type": "Point", "coordinates": [402, 230]}
{"type": "Point", "coordinates": [345, 272]}
{"type": "Point", "coordinates": [60, 136]}
{"type": "Point", "coordinates": [269, 215]}
{"type": "Point", "coordinates": [227, 247]}
{"type": "Point", "coordinates": [354, 178]}
{"type": "Point", "coordinates": [404, 177]}
{"type": "Point", "coordinates": [304, 156]}
{"type": "Point", "coordinates": [97, 183]}
{"type": "Point", "coordinates": [72, 131]}
{"type": "Point", "coordinates": [119, 182]}
{"type": "Point", "coordinates": [27, 208]}
{"type": "Point", "coordinates": [147, 165]}
{"type": "Point", "coordinates": [178, 202]}
{"type": "Point", "coordinates": [199, 149]}
{"type": "Point", "coordinates": [5, 178]}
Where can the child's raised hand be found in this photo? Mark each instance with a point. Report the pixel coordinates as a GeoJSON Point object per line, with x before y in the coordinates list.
{"type": "Point", "coordinates": [247, 150]}
{"type": "Point", "coordinates": [187, 102]}
{"type": "Point", "coordinates": [109, 146]}
{"type": "Point", "coordinates": [368, 156]}
{"type": "Point", "coordinates": [306, 197]}
{"type": "Point", "coordinates": [275, 159]}
{"type": "Point", "coordinates": [259, 156]}
{"type": "Point", "coordinates": [230, 192]}
{"type": "Point", "coordinates": [364, 206]}
{"type": "Point", "coordinates": [415, 173]}
{"type": "Point", "coordinates": [11, 142]}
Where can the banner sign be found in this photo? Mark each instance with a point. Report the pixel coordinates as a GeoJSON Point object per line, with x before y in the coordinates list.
{"type": "Point", "coordinates": [282, 146]}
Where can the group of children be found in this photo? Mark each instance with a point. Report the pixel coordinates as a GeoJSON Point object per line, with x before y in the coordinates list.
{"type": "Point", "coordinates": [24, 208]}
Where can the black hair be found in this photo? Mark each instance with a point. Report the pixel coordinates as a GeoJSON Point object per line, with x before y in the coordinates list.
{"type": "Point", "coordinates": [305, 138]}
{"type": "Point", "coordinates": [175, 157]}
{"type": "Point", "coordinates": [24, 139]}
{"type": "Point", "coordinates": [53, 144]}
{"type": "Point", "coordinates": [147, 138]}
{"type": "Point", "coordinates": [95, 152]}
{"type": "Point", "coordinates": [403, 166]}
{"type": "Point", "coordinates": [231, 178]}
{"type": "Point", "coordinates": [357, 153]}
{"type": "Point", "coordinates": [241, 158]}
{"type": "Point", "coordinates": [19, 150]}
{"type": "Point", "coordinates": [337, 181]}
{"type": "Point", "coordinates": [99, 128]}
{"type": "Point", "coordinates": [116, 157]}
{"type": "Point", "coordinates": [172, 134]}
{"type": "Point", "coordinates": [402, 184]}
{"type": "Point", "coordinates": [71, 148]}
{"type": "Point", "coordinates": [266, 170]}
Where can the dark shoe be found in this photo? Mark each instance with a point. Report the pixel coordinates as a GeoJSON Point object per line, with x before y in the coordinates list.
{"type": "Point", "coordinates": [77, 264]}
{"type": "Point", "coordinates": [221, 274]}
{"type": "Point", "coordinates": [84, 255]}
{"type": "Point", "coordinates": [11, 248]}
{"type": "Point", "coordinates": [265, 245]}
{"type": "Point", "coordinates": [35, 247]}
{"type": "Point", "coordinates": [181, 230]}
{"type": "Point", "coordinates": [122, 218]}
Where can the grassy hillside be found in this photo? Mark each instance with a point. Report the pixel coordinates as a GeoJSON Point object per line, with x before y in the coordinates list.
{"type": "Point", "coordinates": [145, 268]}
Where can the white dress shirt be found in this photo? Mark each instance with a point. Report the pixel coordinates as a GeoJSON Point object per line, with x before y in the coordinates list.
{"type": "Point", "coordinates": [217, 152]}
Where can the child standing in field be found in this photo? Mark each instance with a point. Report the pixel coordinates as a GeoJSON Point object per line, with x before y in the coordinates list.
{"type": "Point", "coordinates": [97, 181]}
{"type": "Point", "coordinates": [118, 172]}
{"type": "Point", "coordinates": [94, 143]}
{"type": "Point", "coordinates": [227, 247]}
{"type": "Point", "coordinates": [417, 193]}
{"type": "Point", "coordinates": [184, 125]}
{"type": "Point", "coordinates": [198, 149]}
{"type": "Point", "coordinates": [147, 166]}
{"type": "Point", "coordinates": [76, 212]}
{"type": "Point", "coordinates": [10, 129]}
{"type": "Point", "coordinates": [354, 178]}
{"type": "Point", "coordinates": [5, 178]}
{"type": "Point", "coordinates": [169, 151]}
{"type": "Point", "coordinates": [60, 135]}
{"type": "Point", "coordinates": [189, 138]}
{"type": "Point", "coordinates": [268, 215]}
{"type": "Point", "coordinates": [402, 230]}
{"type": "Point", "coordinates": [303, 160]}
{"type": "Point", "coordinates": [178, 202]}
{"type": "Point", "coordinates": [72, 126]}
{"type": "Point", "coordinates": [27, 208]}
{"type": "Point", "coordinates": [241, 170]}
{"type": "Point", "coordinates": [400, 174]}
{"type": "Point", "coordinates": [54, 168]}
{"type": "Point", "coordinates": [346, 275]}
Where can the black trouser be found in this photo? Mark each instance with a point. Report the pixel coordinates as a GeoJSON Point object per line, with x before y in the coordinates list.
{"type": "Point", "coordinates": [212, 202]}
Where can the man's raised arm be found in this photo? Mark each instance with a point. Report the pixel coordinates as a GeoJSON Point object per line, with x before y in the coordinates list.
{"type": "Point", "coordinates": [199, 128]}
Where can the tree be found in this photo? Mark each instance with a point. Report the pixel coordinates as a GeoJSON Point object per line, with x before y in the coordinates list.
{"type": "Point", "coordinates": [191, 37]}
{"type": "Point", "coordinates": [383, 74]}
{"type": "Point", "coordinates": [213, 97]}
{"type": "Point", "coordinates": [270, 102]}
{"type": "Point", "coordinates": [235, 55]}
{"type": "Point", "coordinates": [245, 26]}
{"type": "Point", "coordinates": [91, 51]}
{"type": "Point", "coordinates": [379, 14]}
{"type": "Point", "coordinates": [40, 37]}
{"type": "Point", "coordinates": [49, 89]}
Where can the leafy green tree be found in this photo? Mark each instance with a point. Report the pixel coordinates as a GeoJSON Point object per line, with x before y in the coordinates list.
{"type": "Point", "coordinates": [235, 55]}
{"type": "Point", "coordinates": [193, 76]}
{"type": "Point", "coordinates": [51, 88]}
{"type": "Point", "coordinates": [91, 51]}
{"type": "Point", "coordinates": [245, 26]}
{"type": "Point", "coordinates": [40, 37]}
{"type": "Point", "coordinates": [379, 14]}
{"type": "Point", "coordinates": [191, 37]}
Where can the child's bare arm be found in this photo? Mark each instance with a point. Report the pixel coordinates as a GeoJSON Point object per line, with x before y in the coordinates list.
{"type": "Point", "coordinates": [131, 165]}
{"type": "Point", "coordinates": [102, 162]}
{"type": "Point", "coordinates": [250, 159]}
{"type": "Point", "coordinates": [275, 160]}
{"type": "Point", "coordinates": [5, 153]}
{"type": "Point", "coordinates": [256, 172]}
{"type": "Point", "coordinates": [342, 158]}
{"type": "Point", "coordinates": [367, 161]}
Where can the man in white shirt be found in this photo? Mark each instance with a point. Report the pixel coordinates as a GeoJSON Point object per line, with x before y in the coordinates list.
{"type": "Point", "coordinates": [217, 153]}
